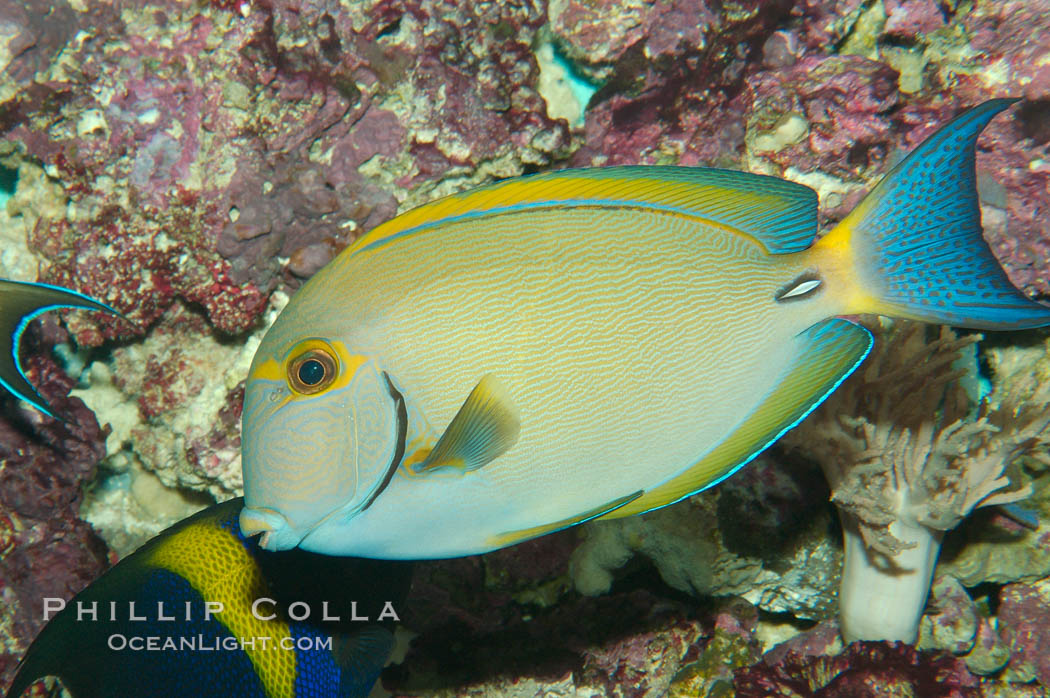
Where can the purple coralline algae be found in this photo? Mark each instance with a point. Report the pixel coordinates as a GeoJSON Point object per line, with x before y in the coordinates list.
{"type": "Point", "coordinates": [665, 101]}
{"type": "Point", "coordinates": [862, 670]}
{"type": "Point", "coordinates": [911, 19]}
{"type": "Point", "coordinates": [827, 113]}
{"type": "Point", "coordinates": [45, 549]}
{"type": "Point", "coordinates": [200, 148]}
{"type": "Point", "coordinates": [1024, 625]}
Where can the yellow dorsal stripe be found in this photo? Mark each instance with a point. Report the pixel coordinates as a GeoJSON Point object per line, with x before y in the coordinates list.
{"type": "Point", "coordinates": [604, 186]}
{"type": "Point", "coordinates": [216, 564]}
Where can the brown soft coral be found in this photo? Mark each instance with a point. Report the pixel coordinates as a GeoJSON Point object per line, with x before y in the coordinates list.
{"type": "Point", "coordinates": [907, 458]}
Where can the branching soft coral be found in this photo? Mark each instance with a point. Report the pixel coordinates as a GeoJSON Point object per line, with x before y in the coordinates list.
{"type": "Point", "coordinates": [907, 459]}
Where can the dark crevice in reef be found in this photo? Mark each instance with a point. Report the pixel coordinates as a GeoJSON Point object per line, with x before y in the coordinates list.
{"type": "Point", "coordinates": [543, 643]}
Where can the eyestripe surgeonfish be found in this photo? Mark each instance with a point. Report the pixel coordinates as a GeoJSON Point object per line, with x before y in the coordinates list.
{"type": "Point", "coordinates": [20, 303]}
{"type": "Point", "coordinates": [205, 558]}
{"type": "Point", "coordinates": [580, 344]}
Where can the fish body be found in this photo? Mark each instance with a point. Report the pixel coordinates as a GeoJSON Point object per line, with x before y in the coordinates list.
{"type": "Point", "coordinates": [205, 558]}
{"type": "Point", "coordinates": [588, 343]}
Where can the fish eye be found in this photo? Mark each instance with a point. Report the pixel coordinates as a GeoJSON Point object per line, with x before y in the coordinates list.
{"type": "Point", "coordinates": [312, 371]}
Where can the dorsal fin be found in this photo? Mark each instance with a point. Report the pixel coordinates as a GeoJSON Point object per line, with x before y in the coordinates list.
{"type": "Point", "coordinates": [780, 215]}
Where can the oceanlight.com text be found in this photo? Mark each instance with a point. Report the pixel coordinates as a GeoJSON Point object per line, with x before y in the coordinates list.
{"type": "Point", "coordinates": [206, 643]}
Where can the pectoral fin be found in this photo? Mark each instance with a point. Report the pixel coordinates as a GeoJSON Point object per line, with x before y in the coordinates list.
{"type": "Point", "coordinates": [361, 658]}
{"type": "Point", "coordinates": [505, 539]}
{"type": "Point", "coordinates": [485, 427]}
{"type": "Point", "coordinates": [20, 303]}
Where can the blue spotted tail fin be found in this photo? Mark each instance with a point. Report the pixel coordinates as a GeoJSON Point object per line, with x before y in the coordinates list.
{"type": "Point", "coordinates": [915, 246]}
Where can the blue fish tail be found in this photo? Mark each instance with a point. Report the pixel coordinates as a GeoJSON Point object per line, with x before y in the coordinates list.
{"type": "Point", "coordinates": [916, 243]}
{"type": "Point", "coordinates": [20, 303]}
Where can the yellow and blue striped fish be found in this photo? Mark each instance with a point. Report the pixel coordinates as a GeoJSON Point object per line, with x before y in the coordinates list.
{"type": "Point", "coordinates": [205, 558]}
{"type": "Point", "coordinates": [589, 343]}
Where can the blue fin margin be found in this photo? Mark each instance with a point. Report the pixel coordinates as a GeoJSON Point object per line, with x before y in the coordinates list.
{"type": "Point", "coordinates": [21, 302]}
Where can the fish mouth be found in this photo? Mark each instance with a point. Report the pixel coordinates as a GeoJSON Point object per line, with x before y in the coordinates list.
{"type": "Point", "coordinates": [277, 532]}
{"type": "Point", "coordinates": [274, 529]}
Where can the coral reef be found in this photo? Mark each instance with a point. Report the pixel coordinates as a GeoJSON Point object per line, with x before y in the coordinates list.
{"type": "Point", "coordinates": [192, 163]}
{"type": "Point", "coordinates": [906, 464]}
{"type": "Point", "coordinates": [45, 549]}
{"type": "Point", "coordinates": [762, 536]}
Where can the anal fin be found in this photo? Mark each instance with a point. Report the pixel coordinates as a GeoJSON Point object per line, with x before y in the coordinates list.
{"type": "Point", "coordinates": [513, 537]}
{"type": "Point", "coordinates": [825, 355]}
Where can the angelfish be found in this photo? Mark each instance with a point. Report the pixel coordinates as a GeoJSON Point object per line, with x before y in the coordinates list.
{"type": "Point", "coordinates": [213, 615]}
{"type": "Point", "coordinates": [20, 303]}
{"type": "Point", "coordinates": [591, 343]}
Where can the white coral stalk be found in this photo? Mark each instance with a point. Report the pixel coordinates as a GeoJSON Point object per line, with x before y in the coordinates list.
{"type": "Point", "coordinates": [905, 465]}
{"type": "Point", "coordinates": [881, 597]}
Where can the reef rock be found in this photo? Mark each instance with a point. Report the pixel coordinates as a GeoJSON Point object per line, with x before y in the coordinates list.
{"type": "Point", "coordinates": [951, 619]}
{"type": "Point", "coordinates": [1024, 623]}
{"type": "Point", "coordinates": [864, 669]}
{"type": "Point", "coordinates": [45, 549]}
{"type": "Point", "coordinates": [762, 536]}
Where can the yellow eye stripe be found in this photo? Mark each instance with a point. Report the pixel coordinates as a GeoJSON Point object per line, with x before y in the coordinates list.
{"type": "Point", "coordinates": [348, 364]}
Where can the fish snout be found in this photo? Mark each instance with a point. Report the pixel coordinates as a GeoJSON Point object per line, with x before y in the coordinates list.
{"type": "Point", "coordinates": [277, 532]}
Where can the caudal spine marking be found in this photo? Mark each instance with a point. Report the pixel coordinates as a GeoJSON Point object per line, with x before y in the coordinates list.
{"type": "Point", "coordinates": [803, 286]}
